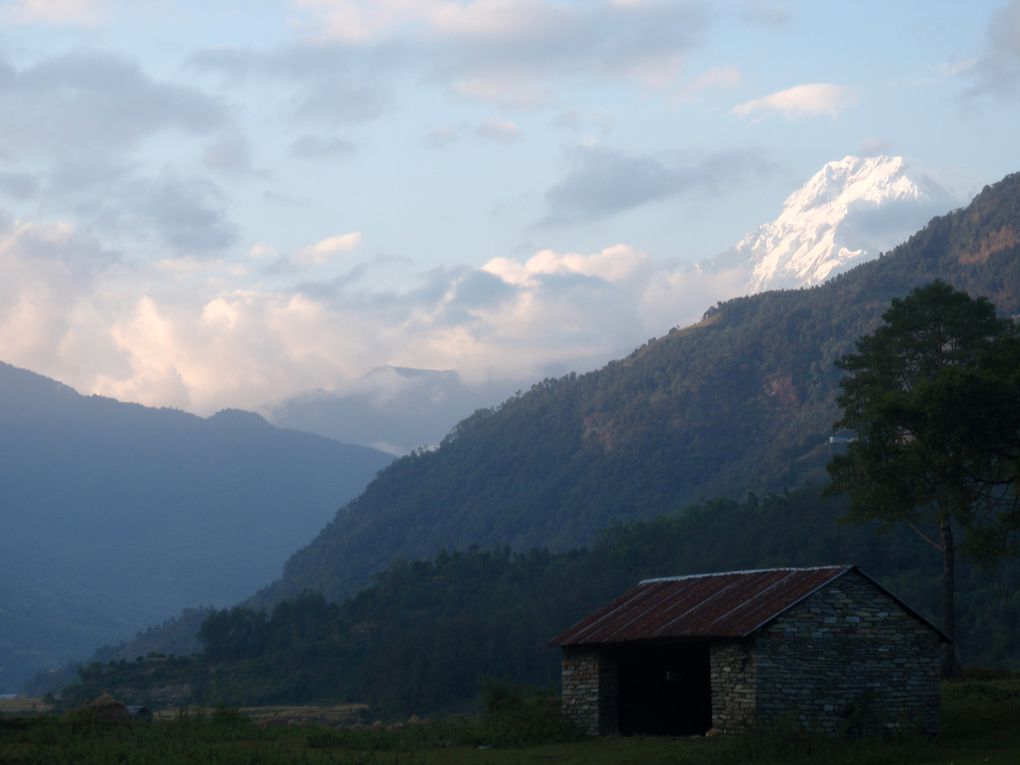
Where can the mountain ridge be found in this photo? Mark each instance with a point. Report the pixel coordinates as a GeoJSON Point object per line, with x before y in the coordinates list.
{"type": "Point", "coordinates": [118, 515]}
{"type": "Point", "coordinates": [743, 400]}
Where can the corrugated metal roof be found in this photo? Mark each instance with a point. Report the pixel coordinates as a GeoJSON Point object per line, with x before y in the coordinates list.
{"type": "Point", "coordinates": [730, 604]}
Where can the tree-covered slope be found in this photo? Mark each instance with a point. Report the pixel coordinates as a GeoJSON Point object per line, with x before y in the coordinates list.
{"type": "Point", "coordinates": [426, 633]}
{"type": "Point", "coordinates": [115, 516]}
{"type": "Point", "coordinates": [742, 400]}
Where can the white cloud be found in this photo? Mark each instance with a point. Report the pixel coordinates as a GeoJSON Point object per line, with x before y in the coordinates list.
{"type": "Point", "coordinates": [812, 100]}
{"type": "Point", "coordinates": [613, 264]}
{"type": "Point", "coordinates": [327, 249]}
{"type": "Point", "coordinates": [49, 274]}
{"type": "Point", "coordinates": [182, 333]}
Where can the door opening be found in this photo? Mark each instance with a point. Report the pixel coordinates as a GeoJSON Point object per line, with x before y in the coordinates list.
{"type": "Point", "coordinates": [665, 690]}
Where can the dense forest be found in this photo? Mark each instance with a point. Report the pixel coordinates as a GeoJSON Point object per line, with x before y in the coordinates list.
{"type": "Point", "coordinates": [425, 634]}
{"type": "Point", "coordinates": [744, 400]}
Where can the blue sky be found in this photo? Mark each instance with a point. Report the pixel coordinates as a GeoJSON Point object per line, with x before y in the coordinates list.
{"type": "Point", "coordinates": [206, 208]}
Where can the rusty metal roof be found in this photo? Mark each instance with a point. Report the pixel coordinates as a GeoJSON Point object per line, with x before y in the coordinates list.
{"type": "Point", "coordinates": [730, 604]}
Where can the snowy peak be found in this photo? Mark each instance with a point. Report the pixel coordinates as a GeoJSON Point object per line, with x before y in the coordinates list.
{"type": "Point", "coordinates": [848, 212]}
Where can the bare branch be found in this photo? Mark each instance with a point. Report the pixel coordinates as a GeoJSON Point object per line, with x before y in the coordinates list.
{"type": "Point", "coordinates": [926, 538]}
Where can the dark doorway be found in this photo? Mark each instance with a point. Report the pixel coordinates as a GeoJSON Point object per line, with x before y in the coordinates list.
{"type": "Point", "coordinates": [665, 690]}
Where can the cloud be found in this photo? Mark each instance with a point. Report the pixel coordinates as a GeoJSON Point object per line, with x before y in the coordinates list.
{"type": "Point", "coordinates": [162, 214]}
{"type": "Point", "coordinates": [489, 129]}
{"type": "Point", "coordinates": [229, 154]}
{"type": "Point", "coordinates": [1004, 29]}
{"type": "Point", "coordinates": [511, 54]}
{"type": "Point", "coordinates": [325, 250]}
{"type": "Point", "coordinates": [341, 101]}
{"type": "Point", "coordinates": [334, 85]}
{"type": "Point", "coordinates": [321, 253]}
{"type": "Point", "coordinates": [367, 21]}
{"type": "Point", "coordinates": [612, 265]}
{"type": "Point", "coordinates": [168, 332]}
{"type": "Point", "coordinates": [48, 275]}
{"type": "Point", "coordinates": [84, 104]}
{"type": "Point", "coordinates": [513, 90]}
{"type": "Point", "coordinates": [997, 70]}
{"type": "Point", "coordinates": [75, 128]}
{"type": "Point", "coordinates": [55, 12]}
{"type": "Point", "coordinates": [716, 77]}
{"type": "Point", "coordinates": [766, 13]}
{"type": "Point", "coordinates": [602, 182]}
{"type": "Point", "coordinates": [498, 130]}
{"type": "Point", "coordinates": [310, 146]}
{"type": "Point", "coordinates": [812, 100]}
{"type": "Point", "coordinates": [520, 64]}
{"type": "Point", "coordinates": [188, 214]}
{"type": "Point", "coordinates": [18, 185]}
{"type": "Point", "coordinates": [441, 137]}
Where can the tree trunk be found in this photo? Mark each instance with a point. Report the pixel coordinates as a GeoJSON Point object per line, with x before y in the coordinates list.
{"type": "Point", "coordinates": [949, 664]}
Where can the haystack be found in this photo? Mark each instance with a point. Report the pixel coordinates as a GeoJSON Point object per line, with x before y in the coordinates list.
{"type": "Point", "coordinates": [105, 708]}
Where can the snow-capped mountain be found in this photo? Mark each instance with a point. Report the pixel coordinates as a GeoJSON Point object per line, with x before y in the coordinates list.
{"type": "Point", "coordinates": [847, 213]}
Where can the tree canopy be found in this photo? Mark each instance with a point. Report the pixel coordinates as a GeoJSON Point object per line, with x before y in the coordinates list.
{"type": "Point", "coordinates": [932, 396]}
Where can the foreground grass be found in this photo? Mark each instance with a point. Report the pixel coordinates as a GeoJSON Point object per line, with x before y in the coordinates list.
{"type": "Point", "coordinates": [981, 724]}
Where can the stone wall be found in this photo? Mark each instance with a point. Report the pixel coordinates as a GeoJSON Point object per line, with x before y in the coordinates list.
{"type": "Point", "coordinates": [733, 685]}
{"type": "Point", "coordinates": [590, 689]}
{"type": "Point", "coordinates": [847, 660]}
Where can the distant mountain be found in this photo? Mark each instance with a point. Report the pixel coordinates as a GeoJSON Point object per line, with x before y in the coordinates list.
{"type": "Point", "coordinates": [743, 400]}
{"type": "Point", "coordinates": [393, 409]}
{"type": "Point", "coordinates": [115, 516]}
{"type": "Point", "coordinates": [849, 212]}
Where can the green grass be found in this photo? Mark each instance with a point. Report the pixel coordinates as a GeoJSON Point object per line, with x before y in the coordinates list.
{"type": "Point", "coordinates": [981, 724]}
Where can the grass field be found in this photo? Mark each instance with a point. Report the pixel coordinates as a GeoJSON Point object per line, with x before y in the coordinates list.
{"type": "Point", "coordinates": [981, 724]}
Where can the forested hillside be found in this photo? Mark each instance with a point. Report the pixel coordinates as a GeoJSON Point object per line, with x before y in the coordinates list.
{"type": "Point", "coordinates": [425, 635]}
{"type": "Point", "coordinates": [116, 516]}
{"type": "Point", "coordinates": [742, 401]}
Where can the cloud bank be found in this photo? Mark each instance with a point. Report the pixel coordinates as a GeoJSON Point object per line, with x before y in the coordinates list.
{"type": "Point", "coordinates": [819, 99]}
{"type": "Point", "coordinates": [170, 333]}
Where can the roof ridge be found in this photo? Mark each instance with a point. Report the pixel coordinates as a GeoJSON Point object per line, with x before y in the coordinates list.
{"type": "Point", "coordinates": [836, 567]}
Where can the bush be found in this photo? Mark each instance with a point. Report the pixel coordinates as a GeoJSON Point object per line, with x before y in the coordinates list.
{"type": "Point", "coordinates": [522, 716]}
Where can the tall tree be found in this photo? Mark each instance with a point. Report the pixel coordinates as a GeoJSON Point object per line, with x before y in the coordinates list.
{"type": "Point", "coordinates": [933, 396]}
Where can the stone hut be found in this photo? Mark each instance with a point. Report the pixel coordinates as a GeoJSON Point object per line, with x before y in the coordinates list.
{"type": "Point", "coordinates": [826, 649]}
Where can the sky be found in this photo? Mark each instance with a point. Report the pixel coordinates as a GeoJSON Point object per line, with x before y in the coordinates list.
{"type": "Point", "coordinates": [208, 205]}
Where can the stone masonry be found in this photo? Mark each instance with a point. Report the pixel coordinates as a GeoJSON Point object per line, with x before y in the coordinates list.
{"type": "Point", "coordinates": [733, 685]}
{"type": "Point", "coordinates": [590, 689]}
{"type": "Point", "coordinates": [848, 659]}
